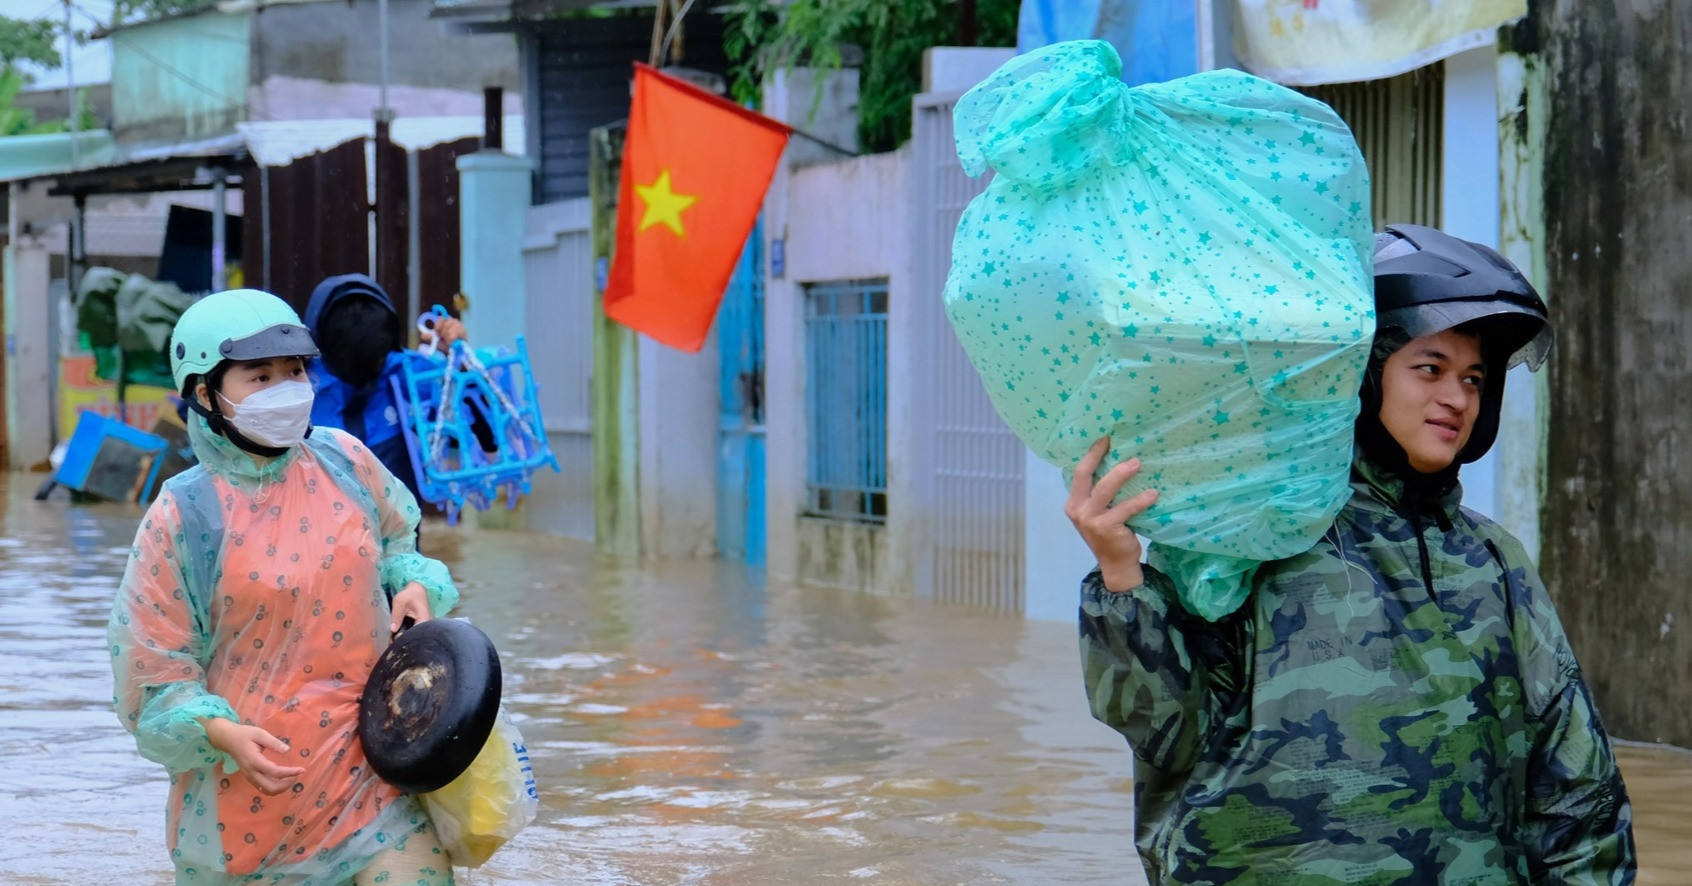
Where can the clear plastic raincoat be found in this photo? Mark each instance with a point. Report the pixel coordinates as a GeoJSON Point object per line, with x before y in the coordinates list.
{"type": "Point", "coordinates": [256, 594]}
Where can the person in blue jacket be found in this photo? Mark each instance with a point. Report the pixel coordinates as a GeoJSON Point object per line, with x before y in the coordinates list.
{"type": "Point", "coordinates": [359, 333]}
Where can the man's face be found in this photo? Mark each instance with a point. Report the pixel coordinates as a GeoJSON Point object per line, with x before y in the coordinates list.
{"type": "Point", "coordinates": [1431, 395]}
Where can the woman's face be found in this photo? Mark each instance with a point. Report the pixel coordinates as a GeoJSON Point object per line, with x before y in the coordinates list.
{"type": "Point", "coordinates": [1431, 395]}
{"type": "Point", "coordinates": [248, 378]}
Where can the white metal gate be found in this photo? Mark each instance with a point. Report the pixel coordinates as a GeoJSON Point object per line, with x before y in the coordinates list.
{"type": "Point", "coordinates": [976, 463]}
{"type": "Point", "coordinates": [558, 264]}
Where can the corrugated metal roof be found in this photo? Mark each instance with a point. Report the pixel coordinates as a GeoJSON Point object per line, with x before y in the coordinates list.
{"type": "Point", "coordinates": [34, 156]}
{"type": "Point", "coordinates": [269, 143]}
{"type": "Point", "coordinates": [525, 8]}
{"type": "Point", "coordinates": [228, 6]}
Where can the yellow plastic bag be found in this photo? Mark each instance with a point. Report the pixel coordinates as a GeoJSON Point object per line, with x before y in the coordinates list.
{"type": "Point", "coordinates": [496, 797]}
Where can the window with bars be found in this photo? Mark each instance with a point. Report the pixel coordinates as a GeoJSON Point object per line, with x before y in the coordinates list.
{"type": "Point", "coordinates": [846, 399]}
{"type": "Point", "coordinates": [1399, 125]}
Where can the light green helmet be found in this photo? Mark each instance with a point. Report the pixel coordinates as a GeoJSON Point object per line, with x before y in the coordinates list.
{"type": "Point", "coordinates": [239, 324]}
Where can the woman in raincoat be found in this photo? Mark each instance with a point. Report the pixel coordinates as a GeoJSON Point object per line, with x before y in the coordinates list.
{"type": "Point", "coordinates": [1399, 704]}
{"type": "Point", "coordinates": [253, 609]}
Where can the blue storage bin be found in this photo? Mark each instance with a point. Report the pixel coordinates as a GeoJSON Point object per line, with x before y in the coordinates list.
{"type": "Point", "coordinates": [108, 458]}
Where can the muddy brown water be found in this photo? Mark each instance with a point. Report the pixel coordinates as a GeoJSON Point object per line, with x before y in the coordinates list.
{"type": "Point", "coordinates": [689, 724]}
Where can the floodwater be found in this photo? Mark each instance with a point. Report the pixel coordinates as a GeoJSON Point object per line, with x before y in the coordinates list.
{"type": "Point", "coordinates": [688, 723]}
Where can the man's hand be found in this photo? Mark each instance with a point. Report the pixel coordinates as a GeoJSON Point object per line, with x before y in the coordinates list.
{"type": "Point", "coordinates": [247, 744]}
{"type": "Point", "coordinates": [447, 330]}
{"type": "Point", "coordinates": [1105, 528]}
{"type": "Point", "coordinates": [411, 602]}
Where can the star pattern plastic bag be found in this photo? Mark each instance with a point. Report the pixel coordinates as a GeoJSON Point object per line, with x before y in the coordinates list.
{"type": "Point", "coordinates": [1183, 266]}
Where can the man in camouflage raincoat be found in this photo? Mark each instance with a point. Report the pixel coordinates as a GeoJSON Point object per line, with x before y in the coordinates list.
{"type": "Point", "coordinates": [1398, 705]}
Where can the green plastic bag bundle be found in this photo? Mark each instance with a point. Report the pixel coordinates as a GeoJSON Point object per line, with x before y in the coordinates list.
{"type": "Point", "coordinates": [1183, 266]}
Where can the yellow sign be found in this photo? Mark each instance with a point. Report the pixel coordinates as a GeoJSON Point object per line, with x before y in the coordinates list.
{"type": "Point", "coordinates": [80, 389]}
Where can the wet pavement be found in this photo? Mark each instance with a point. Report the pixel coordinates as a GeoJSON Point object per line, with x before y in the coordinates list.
{"type": "Point", "coordinates": [688, 723]}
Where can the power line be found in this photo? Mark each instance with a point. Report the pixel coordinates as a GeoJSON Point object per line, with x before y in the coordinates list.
{"type": "Point", "coordinates": [52, 6]}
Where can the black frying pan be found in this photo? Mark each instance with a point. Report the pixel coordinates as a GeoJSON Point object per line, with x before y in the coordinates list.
{"type": "Point", "coordinates": [430, 704]}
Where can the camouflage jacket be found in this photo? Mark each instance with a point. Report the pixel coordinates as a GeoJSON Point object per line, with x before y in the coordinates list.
{"type": "Point", "coordinates": [1397, 705]}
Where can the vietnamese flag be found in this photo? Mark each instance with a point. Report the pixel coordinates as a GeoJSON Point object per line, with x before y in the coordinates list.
{"type": "Point", "coordinates": [695, 168]}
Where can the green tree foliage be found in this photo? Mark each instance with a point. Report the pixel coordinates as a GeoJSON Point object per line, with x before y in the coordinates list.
{"type": "Point", "coordinates": [13, 119]}
{"type": "Point", "coordinates": [21, 121]}
{"type": "Point", "coordinates": [28, 41]}
{"type": "Point", "coordinates": [35, 42]}
{"type": "Point", "coordinates": [765, 36]}
{"type": "Point", "coordinates": [128, 11]}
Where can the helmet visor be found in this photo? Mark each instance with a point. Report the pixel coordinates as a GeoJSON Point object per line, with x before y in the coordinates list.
{"type": "Point", "coordinates": [1519, 330]}
{"type": "Point", "coordinates": [281, 340]}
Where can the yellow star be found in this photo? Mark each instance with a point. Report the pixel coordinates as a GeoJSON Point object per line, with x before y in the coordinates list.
{"type": "Point", "coordinates": [663, 206]}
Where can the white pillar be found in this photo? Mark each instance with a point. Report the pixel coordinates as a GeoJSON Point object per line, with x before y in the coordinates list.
{"type": "Point", "coordinates": [1054, 557]}
{"type": "Point", "coordinates": [1469, 208]}
{"type": "Point", "coordinates": [494, 190]}
{"type": "Point", "coordinates": [29, 410]}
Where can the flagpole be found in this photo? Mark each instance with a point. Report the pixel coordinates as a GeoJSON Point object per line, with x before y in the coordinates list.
{"type": "Point", "coordinates": [824, 143]}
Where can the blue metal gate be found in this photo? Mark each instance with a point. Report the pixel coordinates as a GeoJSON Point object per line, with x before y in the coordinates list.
{"type": "Point", "coordinates": [740, 449]}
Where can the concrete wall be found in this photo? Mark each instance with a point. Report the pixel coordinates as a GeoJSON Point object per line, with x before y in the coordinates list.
{"type": "Point", "coordinates": [320, 60]}
{"type": "Point", "coordinates": [679, 407]}
{"type": "Point", "coordinates": [558, 255]}
{"type": "Point", "coordinates": [837, 221]}
{"type": "Point", "coordinates": [1617, 521]}
{"type": "Point", "coordinates": [181, 79]}
{"type": "Point", "coordinates": [190, 78]}
{"type": "Point", "coordinates": [336, 42]}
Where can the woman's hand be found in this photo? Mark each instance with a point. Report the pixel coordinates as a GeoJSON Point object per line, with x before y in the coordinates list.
{"type": "Point", "coordinates": [246, 745]}
{"type": "Point", "coordinates": [411, 602]}
{"type": "Point", "coordinates": [1105, 528]}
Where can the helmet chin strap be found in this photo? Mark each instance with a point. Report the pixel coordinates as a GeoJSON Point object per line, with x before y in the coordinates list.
{"type": "Point", "coordinates": [219, 424]}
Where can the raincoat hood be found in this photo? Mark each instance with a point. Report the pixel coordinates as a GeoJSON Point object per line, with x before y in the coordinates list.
{"type": "Point", "coordinates": [222, 457]}
{"type": "Point", "coordinates": [332, 290]}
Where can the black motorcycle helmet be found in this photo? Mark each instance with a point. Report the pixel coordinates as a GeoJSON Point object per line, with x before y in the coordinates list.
{"type": "Point", "coordinates": [1427, 281]}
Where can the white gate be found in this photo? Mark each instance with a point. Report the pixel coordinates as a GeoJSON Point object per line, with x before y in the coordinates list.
{"type": "Point", "coordinates": [975, 464]}
{"type": "Point", "coordinates": [558, 265]}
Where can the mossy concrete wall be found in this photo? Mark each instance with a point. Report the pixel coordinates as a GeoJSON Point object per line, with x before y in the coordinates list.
{"type": "Point", "coordinates": [1616, 518]}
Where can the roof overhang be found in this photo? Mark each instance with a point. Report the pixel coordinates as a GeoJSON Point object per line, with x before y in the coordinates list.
{"type": "Point", "coordinates": [187, 173]}
{"type": "Point", "coordinates": [32, 156]}
{"type": "Point", "coordinates": [141, 170]}
{"type": "Point", "coordinates": [483, 15]}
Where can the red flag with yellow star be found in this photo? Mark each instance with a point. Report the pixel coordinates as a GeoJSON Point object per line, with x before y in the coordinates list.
{"type": "Point", "coordinates": [695, 168]}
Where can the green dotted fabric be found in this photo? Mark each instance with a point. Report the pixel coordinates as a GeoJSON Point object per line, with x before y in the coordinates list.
{"type": "Point", "coordinates": [1182, 266]}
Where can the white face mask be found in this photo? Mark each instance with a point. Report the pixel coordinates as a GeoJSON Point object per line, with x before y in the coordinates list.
{"type": "Point", "coordinates": [277, 416]}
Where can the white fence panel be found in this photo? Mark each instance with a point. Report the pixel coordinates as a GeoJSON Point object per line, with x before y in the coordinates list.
{"type": "Point", "coordinates": [558, 265]}
{"type": "Point", "coordinates": [976, 462]}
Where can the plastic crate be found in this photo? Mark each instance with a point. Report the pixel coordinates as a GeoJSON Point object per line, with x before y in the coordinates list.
{"type": "Point", "coordinates": [111, 460]}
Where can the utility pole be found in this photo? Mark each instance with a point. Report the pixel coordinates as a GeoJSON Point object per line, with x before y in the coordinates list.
{"type": "Point", "coordinates": [391, 205]}
{"type": "Point", "coordinates": [70, 83]}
